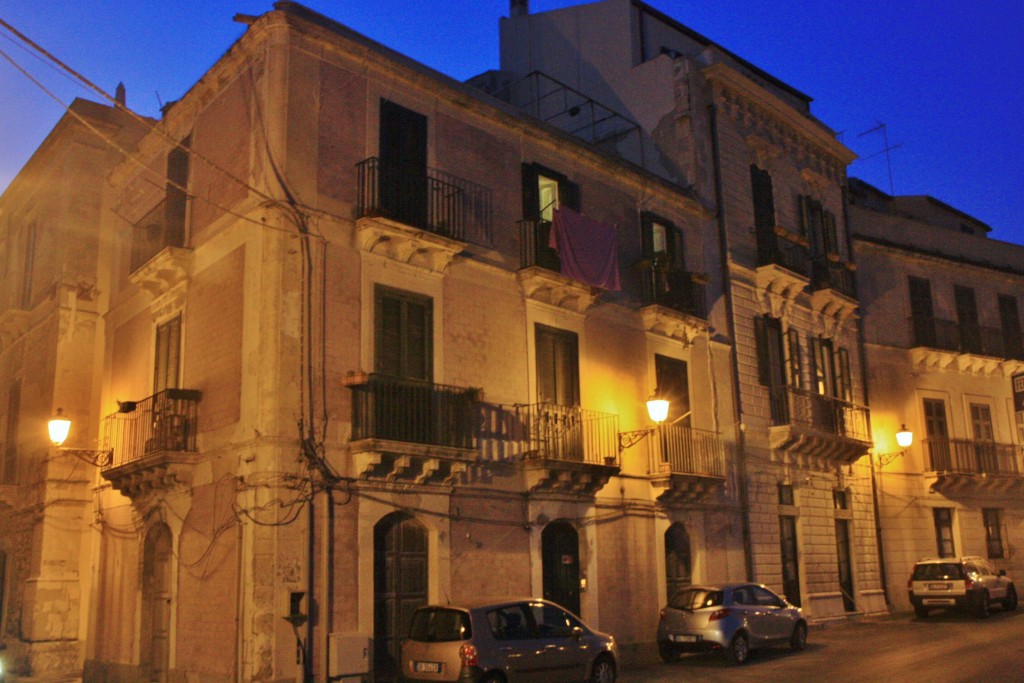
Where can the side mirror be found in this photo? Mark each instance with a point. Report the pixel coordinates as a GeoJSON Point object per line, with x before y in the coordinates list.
{"type": "Point", "coordinates": [577, 632]}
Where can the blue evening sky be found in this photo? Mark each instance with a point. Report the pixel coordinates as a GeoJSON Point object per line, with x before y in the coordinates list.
{"type": "Point", "coordinates": [946, 78]}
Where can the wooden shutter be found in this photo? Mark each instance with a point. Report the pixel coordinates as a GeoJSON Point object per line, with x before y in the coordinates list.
{"type": "Point", "coordinates": [844, 384]}
{"type": "Point", "coordinates": [829, 236]}
{"type": "Point", "coordinates": [557, 366]}
{"type": "Point", "coordinates": [1009, 321]}
{"type": "Point", "coordinates": [531, 194]}
{"type": "Point", "coordinates": [764, 200]}
{"type": "Point", "coordinates": [176, 206]}
{"type": "Point", "coordinates": [920, 296]}
{"type": "Point", "coordinates": [168, 349]}
{"type": "Point", "coordinates": [795, 362]}
{"type": "Point", "coordinates": [822, 367]}
{"type": "Point", "coordinates": [404, 335]}
{"type": "Point", "coordinates": [10, 469]}
{"type": "Point", "coordinates": [768, 334]}
{"type": "Point", "coordinates": [568, 194]}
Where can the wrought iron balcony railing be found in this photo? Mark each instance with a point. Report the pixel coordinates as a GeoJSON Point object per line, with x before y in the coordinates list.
{"type": "Point", "coordinates": [163, 226]}
{"type": "Point", "coordinates": [809, 410]}
{"type": "Point", "coordinates": [397, 409]}
{"type": "Point", "coordinates": [438, 202]}
{"type": "Point", "coordinates": [969, 456]}
{"type": "Point", "coordinates": [828, 274]}
{"type": "Point", "coordinates": [166, 421]}
{"type": "Point", "coordinates": [774, 250]}
{"type": "Point", "coordinates": [533, 246]}
{"type": "Point", "coordinates": [949, 335]}
{"type": "Point", "coordinates": [689, 451]}
{"type": "Point", "coordinates": [675, 289]}
{"type": "Point", "coordinates": [568, 433]}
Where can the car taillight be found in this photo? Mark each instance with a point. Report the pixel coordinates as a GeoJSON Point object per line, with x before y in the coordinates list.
{"type": "Point", "coordinates": [968, 584]}
{"type": "Point", "coordinates": [719, 614]}
{"type": "Point", "coordinates": [467, 653]}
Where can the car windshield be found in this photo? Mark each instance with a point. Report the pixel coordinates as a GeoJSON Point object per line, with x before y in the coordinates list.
{"type": "Point", "coordinates": [438, 625]}
{"type": "Point", "coordinates": [695, 598]}
{"type": "Point", "coordinates": [936, 571]}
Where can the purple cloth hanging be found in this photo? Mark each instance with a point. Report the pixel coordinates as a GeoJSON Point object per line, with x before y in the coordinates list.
{"type": "Point", "coordinates": [588, 249]}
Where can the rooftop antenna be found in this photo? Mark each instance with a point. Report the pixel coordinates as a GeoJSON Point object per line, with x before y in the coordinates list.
{"type": "Point", "coordinates": [880, 127]}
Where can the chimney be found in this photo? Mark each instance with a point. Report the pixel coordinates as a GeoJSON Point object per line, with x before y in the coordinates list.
{"type": "Point", "coordinates": [519, 8]}
{"type": "Point", "coordinates": [119, 94]}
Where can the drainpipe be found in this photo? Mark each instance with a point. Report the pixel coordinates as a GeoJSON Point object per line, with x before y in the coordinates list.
{"type": "Point", "coordinates": [723, 247]}
{"type": "Point", "coordinates": [862, 349]}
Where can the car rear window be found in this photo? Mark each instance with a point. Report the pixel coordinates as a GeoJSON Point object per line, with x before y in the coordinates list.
{"type": "Point", "coordinates": [439, 625]}
{"type": "Point", "coordinates": [935, 571]}
{"type": "Point", "coordinates": [695, 598]}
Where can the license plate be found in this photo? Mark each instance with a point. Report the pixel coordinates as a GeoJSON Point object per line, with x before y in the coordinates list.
{"type": "Point", "coordinates": [685, 639]}
{"type": "Point", "coordinates": [427, 667]}
{"type": "Point", "coordinates": [938, 586]}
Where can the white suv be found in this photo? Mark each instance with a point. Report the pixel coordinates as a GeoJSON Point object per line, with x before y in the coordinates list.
{"type": "Point", "coordinates": [969, 583]}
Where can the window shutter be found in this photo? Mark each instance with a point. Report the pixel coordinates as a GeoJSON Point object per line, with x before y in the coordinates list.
{"type": "Point", "coordinates": [844, 385]}
{"type": "Point", "coordinates": [796, 370]}
{"type": "Point", "coordinates": [831, 238]}
{"type": "Point", "coordinates": [557, 366]}
{"type": "Point", "coordinates": [531, 195]}
{"type": "Point", "coordinates": [569, 194]}
{"type": "Point", "coordinates": [768, 334]}
{"type": "Point", "coordinates": [764, 375]}
{"type": "Point", "coordinates": [764, 200]}
{"type": "Point", "coordinates": [168, 348]}
{"type": "Point", "coordinates": [404, 343]}
{"type": "Point", "coordinates": [546, 373]}
{"type": "Point", "coordinates": [646, 234]}
{"type": "Point", "coordinates": [804, 206]}
{"type": "Point", "coordinates": [817, 378]}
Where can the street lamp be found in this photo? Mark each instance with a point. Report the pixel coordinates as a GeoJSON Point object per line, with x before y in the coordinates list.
{"type": "Point", "coordinates": [657, 410]}
{"type": "Point", "coordinates": [59, 426]}
{"type": "Point", "coordinates": [904, 439]}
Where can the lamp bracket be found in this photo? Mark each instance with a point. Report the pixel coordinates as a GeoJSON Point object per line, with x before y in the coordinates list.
{"type": "Point", "coordinates": [95, 458]}
{"type": "Point", "coordinates": [886, 458]}
{"type": "Point", "coordinates": [628, 439]}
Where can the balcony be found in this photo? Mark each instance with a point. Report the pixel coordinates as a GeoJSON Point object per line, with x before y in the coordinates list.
{"type": "Point", "coordinates": [153, 442]}
{"type": "Point", "coordinates": [967, 465]}
{"type": "Point", "coordinates": [941, 344]}
{"type": "Point", "coordinates": [540, 275]}
{"type": "Point", "coordinates": [412, 431]}
{"type": "Point", "coordinates": [780, 247]}
{"type": "Point", "coordinates": [675, 289]}
{"type": "Point", "coordinates": [818, 429]}
{"type": "Point", "coordinates": [833, 275]}
{"type": "Point", "coordinates": [687, 464]}
{"type": "Point", "coordinates": [567, 449]}
{"type": "Point", "coordinates": [163, 226]}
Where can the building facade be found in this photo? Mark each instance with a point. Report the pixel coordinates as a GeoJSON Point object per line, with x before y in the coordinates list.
{"type": "Point", "coordinates": [943, 338]}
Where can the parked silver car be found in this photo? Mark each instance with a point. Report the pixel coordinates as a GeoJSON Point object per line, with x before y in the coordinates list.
{"type": "Point", "coordinates": [525, 640]}
{"type": "Point", "coordinates": [967, 583]}
{"type": "Point", "coordinates": [732, 618]}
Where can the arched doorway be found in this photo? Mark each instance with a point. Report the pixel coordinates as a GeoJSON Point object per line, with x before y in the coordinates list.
{"type": "Point", "coordinates": [678, 566]}
{"type": "Point", "coordinates": [399, 587]}
{"type": "Point", "coordinates": [156, 604]}
{"type": "Point", "coordinates": [560, 556]}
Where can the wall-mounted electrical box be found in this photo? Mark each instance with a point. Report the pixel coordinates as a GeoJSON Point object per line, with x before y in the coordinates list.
{"type": "Point", "coordinates": [349, 655]}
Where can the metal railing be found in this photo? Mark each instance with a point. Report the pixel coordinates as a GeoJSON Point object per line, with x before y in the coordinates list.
{"type": "Point", "coordinates": [163, 226]}
{"type": "Point", "coordinates": [533, 245]}
{"type": "Point", "coordinates": [773, 250]}
{"type": "Point", "coordinates": [166, 421]}
{"type": "Point", "coordinates": [835, 276]}
{"type": "Point", "coordinates": [969, 456]}
{"type": "Point", "coordinates": [676, 289]}
{"type": "Point", "coordinates": [567, 433]}
{"type": "Point", "coordinates": [398, 409]}
{"type": "Point", "coordinates": [814, 411]}
{"type": "Point", "coordinates": [438, 202]}
{"type": "Point", "coordinates": [689, 451]}
{"type": "Point", "coordinates": [949, 335]}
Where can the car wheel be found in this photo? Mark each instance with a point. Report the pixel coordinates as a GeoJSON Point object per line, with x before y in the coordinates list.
{"type": "Point", "coordinates": [982, 606]}
{"type": "Point", "coordinates": [739, 649]}
{"type": "Point", "coordinates": [668, 653]}
{"type": "Point", "coordinates": [921, 611]}
{"type": "Point", "coordinates": [798, 640]}
{"type": "Point", "coordinates": [603, 671]}
{"type": "Point", "coordinates": [493, 678]}
{"type": "Point", "coordinates": [1010, 602]}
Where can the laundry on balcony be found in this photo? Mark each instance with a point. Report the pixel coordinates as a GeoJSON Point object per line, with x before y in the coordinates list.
{"type": "Point", "coordinates": [588, 249]}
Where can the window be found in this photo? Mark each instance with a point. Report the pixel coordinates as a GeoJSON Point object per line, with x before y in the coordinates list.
{"type": "Point", "coordinates": [785, 494]}
{"type": "Point", "coordinates": [764, 201]}
{"type": "Point", "coordinates": [552, 622]}
{"type": "Point", "coordinates": [840, 500]}
{"type": "Point", "coordinates": [944, 532]}
{"type": "Point", "coordinates": [557, 367]}
{"type": "Point", "coordinates": [168, 348]}
{"type": "Point", "coordinates": [993, 518]}
{"type": "Point", "coordinates": [661, 240]}
{"type": "Point", "coordinates": [544, 191]}
{"type": "Point", "coordinates": [1018, 417]}
{"type": "Point", "coordinates": [936, 431]}
{"type": "Point", "coordinates": [987, 460]}
{"type": "Point", "coordinates": [10, 469]}
{"type": "Point", "coordinates": [403, 164]}
{"type": "Point", "coordinates": [177, 195]}
{"type": "Point", "coordinates": [673, 381]}
{"type": "Point", "coordinates": [1009, 322]}
{"type": "Point", "coordinates": [967, 319]}
{"type": "Point", "coordinates": [404, 334]}
{"type": "Point", "coordinates": [818, 225]}
{"type": "Point", "coordinates": [790, 563]}
{"type": "Point", "coordinates": [771, 370]}
{"type": "Point", "coordinates": [823, 373]}
{"type": "Point", "coordinates": [921, 313]}
{"type": "Point", "coordinates": [844, 384]}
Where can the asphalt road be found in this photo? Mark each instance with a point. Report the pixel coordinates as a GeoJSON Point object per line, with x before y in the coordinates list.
{"type": "Point", "coordinates": [894, 649]}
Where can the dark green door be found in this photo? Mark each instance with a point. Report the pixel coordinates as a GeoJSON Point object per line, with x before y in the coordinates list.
{"type": "Point", "coordinates": [560, 548]}
{"type": "Point", "coordinates": [399, 587]}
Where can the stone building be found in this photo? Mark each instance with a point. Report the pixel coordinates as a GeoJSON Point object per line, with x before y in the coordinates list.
{"type": "Point", "coordinates": [943, 338]}
{"type": "Point", "coordinates": [50, 329]}
{"type": "Point", "coordinates": [773, 174]}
